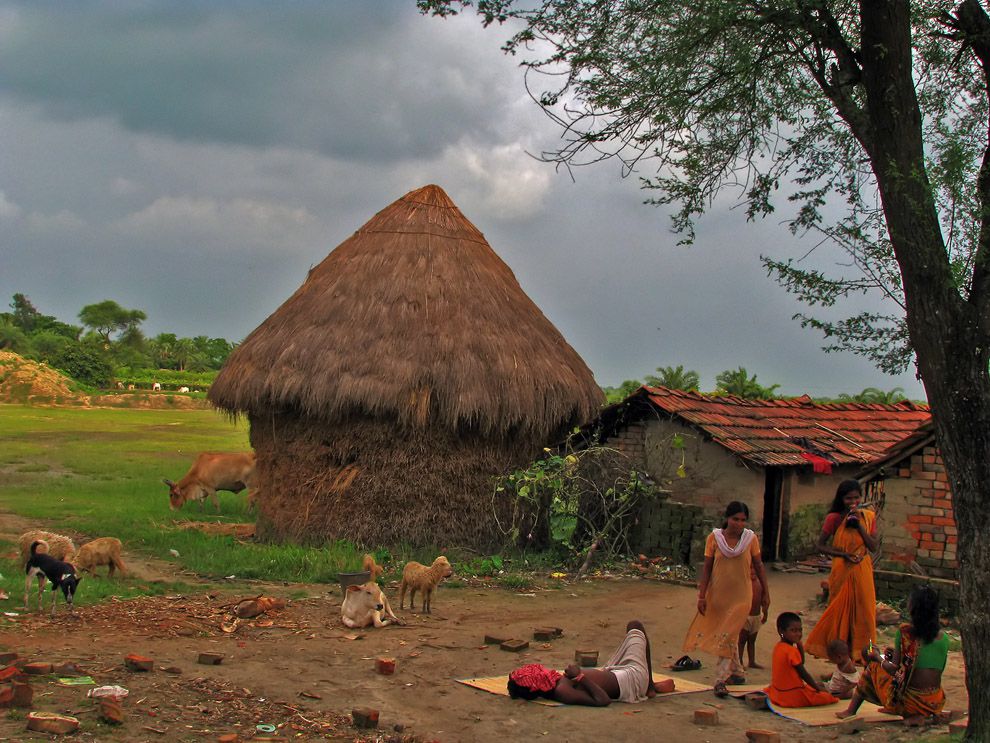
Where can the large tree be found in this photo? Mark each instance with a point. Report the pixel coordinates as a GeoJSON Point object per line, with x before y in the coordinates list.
{"type": "Point", "coordinates": [877, 108]}
{"type": "Point", "coordinates": [675, 378]}
{"type": "Point", "coordinates": [108, 317]}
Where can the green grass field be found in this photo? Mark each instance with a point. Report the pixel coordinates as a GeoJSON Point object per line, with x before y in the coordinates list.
{"type": "Point", "coordinates": [99, 472]}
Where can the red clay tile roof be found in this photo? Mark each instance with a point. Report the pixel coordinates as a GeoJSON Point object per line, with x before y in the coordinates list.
{"type": "Point", "coordinates": [767, 432]}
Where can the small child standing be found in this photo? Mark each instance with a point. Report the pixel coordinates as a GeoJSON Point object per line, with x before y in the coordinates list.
{"type": "Point", "coordinates": [790, 684]}
{"type": "Point", "coordinates": [843, 682]}
{"type": "Point", "coordinates": [747, 637]}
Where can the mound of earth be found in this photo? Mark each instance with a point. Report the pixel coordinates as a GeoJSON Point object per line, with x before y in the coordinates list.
{"type": "Point", "coordinates": [26, 382]}
{"type": "Point", "coordinates": [33, 383]}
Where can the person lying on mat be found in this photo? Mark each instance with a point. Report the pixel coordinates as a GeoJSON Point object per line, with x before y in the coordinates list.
{"type": "Point", "coordinates": [627, 677]}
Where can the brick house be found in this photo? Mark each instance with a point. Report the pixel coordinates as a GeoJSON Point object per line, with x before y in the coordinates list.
{"type": "Point", "coordinates": [910, 486]}
{"type": "Point", "coordinates": [783, 458]}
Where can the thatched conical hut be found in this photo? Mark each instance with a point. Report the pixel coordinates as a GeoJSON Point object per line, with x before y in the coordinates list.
{"type": "Point", "coordinates": [407, 371]}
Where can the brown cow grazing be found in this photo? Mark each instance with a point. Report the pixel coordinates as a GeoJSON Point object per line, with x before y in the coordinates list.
{"type": "Point", "coordinates": [213, 471]}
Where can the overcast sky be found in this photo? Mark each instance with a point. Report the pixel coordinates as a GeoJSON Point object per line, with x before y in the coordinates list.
{"type": "Point", "coordinates": [194, 160]}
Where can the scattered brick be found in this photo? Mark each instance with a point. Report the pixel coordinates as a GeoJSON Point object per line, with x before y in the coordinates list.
{"type": "Point", "coordinates": [69, 669]}
{"type": "Point", "coordinates": [210, 659]}
{"type": "Point", "coordinates": [175, 670]}
{"type": "Point", "coordinates": [10, 672]}
{"type": "Point", "coordinates": [385, 666]}
{"type": "Point", "coordinates": [851, 726]}
{"type": "Point", "coordinates": [6, 695]}
{"type": "Point", "coordinates": [756, 700]}
{"type": "Point", "coordinates": [496, 639]}
{"type": "Point", "coordinates": [706, 717]}
{"type": "Point", "coordinates": [586, 658]}
{"type": "Point", "coordinates": [7, 658]}
{"type": "Point", "coordinates": [228, 738]}
{"type": "Point", "coordinates": [664, 687]}
{"type": "Point", "coordinates": [365, 717]}
{"type": "Point", "coordinates": [51, 723]}
{"type": "Point", "coordinates": [23, 694]}
{"type": "Point", "coordinates": [111, 712]}
{"type": "Point", "coordinates": [762, 736]}
{"type": "Point", "coordinates": [514, 646]}
{"type": "Point", "coordinates": [135, 662]}
{"type": "Point", "coordinates": [545, 634]}
{"type": "Point", "coordinates": [37, 669]}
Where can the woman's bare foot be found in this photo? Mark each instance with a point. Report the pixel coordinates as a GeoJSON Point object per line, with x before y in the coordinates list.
{"type": "Point", "coordinates": [754, 664]}
{"type": "Point", "coordinates": [844, 714]}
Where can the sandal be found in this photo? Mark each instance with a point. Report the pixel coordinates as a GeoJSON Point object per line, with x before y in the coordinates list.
{"type": "Point", "coordinates": [686, 663]}
{"type": "Point", "coordinates": [720, 690]}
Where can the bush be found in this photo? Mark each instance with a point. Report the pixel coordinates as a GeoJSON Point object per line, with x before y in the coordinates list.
{"type": "Point", "coordinates": [84, 364]}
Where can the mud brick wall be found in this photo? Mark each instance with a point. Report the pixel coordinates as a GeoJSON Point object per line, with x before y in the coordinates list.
{"type": "Point", "coordinates": [631, 441]}
{"type": "Point", "coordinates": [671, 529]}
{"type": "Point", "coordinates": [918, 523]}
{"type": "Point", "coordinates": [894, 586]}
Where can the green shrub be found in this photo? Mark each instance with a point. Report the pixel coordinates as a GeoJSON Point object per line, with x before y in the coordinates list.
{"type": "Point", "coordinates": [84, 364]}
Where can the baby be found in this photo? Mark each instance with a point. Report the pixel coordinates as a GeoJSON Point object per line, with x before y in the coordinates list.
{"type": "Point", "coordinates": [845, 677]}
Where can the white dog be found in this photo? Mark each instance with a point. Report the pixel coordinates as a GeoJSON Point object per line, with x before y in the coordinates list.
{"type": "Point", "coordinates": [366, 605]}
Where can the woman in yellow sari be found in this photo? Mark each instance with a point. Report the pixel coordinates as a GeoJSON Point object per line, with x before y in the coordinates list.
{"type": "Point", "coordinates": [851, 612]}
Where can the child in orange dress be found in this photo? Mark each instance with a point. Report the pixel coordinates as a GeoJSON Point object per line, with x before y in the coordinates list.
{"type": "Point", "coordinates": [790, 684]}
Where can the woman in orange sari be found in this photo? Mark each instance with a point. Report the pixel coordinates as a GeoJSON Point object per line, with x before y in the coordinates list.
{"type": "Point", "coordinates": [851, 611]}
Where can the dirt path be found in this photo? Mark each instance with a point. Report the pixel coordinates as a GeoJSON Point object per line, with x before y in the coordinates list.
{"type": "Point", "coordinates": [302, 670]}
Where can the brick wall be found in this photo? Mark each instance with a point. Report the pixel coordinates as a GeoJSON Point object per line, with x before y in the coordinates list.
{"type": "Point", "coordinates": [918, 523]}
{"type": "Point", "coordinates": [631, 441]}
{"type": "Point", "coordinates": [894, 586]}
{"type": "Point", "coordinates": [671, 529]}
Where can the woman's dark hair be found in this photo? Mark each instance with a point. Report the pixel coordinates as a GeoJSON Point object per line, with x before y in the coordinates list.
{"type": "Point", "coordinates": [845, 487]}
{"type": "Point", "coordinates": [732, 509]}
{"type": "Point", "coordinates": [524, 692]}
{"type": "Point", "coordinates": [923, 607]}
{"type": "Point", "coordinates": [786, 619]}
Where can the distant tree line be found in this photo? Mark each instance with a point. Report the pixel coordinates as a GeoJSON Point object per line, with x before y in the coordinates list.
{"type": "Point", "coordinates": [108, 343]}
{"type": "Point", "coordinates": [738, 383]}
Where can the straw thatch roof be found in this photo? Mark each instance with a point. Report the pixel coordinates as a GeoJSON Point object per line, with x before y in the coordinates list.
{"type": "Point", "coordinates": [413, 318]}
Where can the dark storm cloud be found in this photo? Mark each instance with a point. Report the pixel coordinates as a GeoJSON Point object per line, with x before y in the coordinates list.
{"type": "Point", "coordinates": [348, 81]}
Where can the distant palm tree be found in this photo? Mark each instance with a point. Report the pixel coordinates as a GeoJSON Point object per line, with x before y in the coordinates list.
{"type": "Point", "coordinates": [875, 395]}
{"type": "Point", "coordinates": [739, 383]}
{"type": "Point", "coordinates": [675, 378]}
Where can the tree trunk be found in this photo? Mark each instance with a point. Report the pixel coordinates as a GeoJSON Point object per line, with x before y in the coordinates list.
{"type": "Point", "coordinates": [945, 331]}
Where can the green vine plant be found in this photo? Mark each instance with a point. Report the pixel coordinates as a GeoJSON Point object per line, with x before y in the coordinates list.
{"type": "Point", "coordinates": [585, 501]}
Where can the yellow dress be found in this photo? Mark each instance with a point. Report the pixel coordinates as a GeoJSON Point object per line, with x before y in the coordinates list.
{"type": "Point", "coordinates": [729, 596]}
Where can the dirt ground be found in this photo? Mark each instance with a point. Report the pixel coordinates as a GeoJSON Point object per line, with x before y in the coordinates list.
{"type": "Point", "coordinates": [301, 670]}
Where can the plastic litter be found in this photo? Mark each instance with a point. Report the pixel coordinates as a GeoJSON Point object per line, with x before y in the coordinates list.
{"type": "Point", "coordinates": [174, 553]}
{"type": "Point", "coordinates": [265, 728]}
{"type": "Point", "coordinates": [117, 693]}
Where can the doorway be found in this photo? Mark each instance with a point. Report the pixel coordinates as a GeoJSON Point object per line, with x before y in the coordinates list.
{"type": "Point", "coordinates": [774, 545]}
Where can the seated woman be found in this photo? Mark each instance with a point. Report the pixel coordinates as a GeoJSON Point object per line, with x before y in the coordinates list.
{"type": "Point", "coordinates": [908, 681]}
{"type": "Point", "coordinates": [627, 677]}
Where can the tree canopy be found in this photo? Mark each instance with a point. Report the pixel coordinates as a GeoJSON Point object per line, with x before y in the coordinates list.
{"type": "Point", "coordinates": [870, 121]}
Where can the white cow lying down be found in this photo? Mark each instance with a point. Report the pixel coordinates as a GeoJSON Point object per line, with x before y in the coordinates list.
{"type": "Point", "coordinates": [365, 605]}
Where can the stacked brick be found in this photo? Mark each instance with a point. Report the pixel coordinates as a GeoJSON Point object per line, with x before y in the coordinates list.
{"type": "Point", "coordinates": [896, 587]}
{"type": "Point", "coordinates": [931, 522]}
{"type": "Point", "coordinates": [675, 530]}
{"type": "Point", "coordinates": [631, 441]}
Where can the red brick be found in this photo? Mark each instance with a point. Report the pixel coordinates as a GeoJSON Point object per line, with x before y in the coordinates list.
{"type": "Point", "coordinates": [941, 485]}
{"type": "Point", "coordinates": [924, 475]}
{"type": "Point", "coordinates": [514, 646]}
{"type": "Point", "coordinates": [210, 659]}
{"type": "Point", "coordinates": [944, 521]}
{"type": "Point", "coordinates": [37, 669]}
{"type": "Point", "coordinates": [586, 658]}
{"type": "Point", "coordinates": [6, 695]}
{"type": "Point", "coordinates": [941, 503]}
{"type": "Point", "coordinates": [385, 666]}
{"type": "Point", "coordinates": [951, 539]}
{"type": "Point", "coordinates": [23, 695]}
{"type": "Point", "coordinates": [959, 726]}
{"type": "Point", "coordinates": [762, 736]}
{"type": "Point", "coordinates": [49, 722]}
{"type": "Point", "coordinates": [917, 518]}
{"type": "Point", "coordinates": [904, 472]}
{"type": "Point", "coordinates": [135, 662]}
{"type": "Point", "coordinates": [111, 712]}
{"type": "Point", "coordinates": [7, 658]}
{"type": "Point", "coordinates": [706, 717]}
{"type": "Point", "coordinates": [365, 717]}
{"type": "Point", "coordinates": [932, 511]}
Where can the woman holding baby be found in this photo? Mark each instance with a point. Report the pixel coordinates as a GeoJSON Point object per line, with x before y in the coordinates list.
{"type": "Point", "coordinates": [851, 612]}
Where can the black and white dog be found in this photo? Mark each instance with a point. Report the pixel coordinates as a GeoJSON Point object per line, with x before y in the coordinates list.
{"type": "Point", "coordinates": [61, 574]}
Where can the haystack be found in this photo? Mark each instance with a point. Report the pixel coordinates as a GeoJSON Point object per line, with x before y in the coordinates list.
{"type": "Point", "coordinates": [406, 373]}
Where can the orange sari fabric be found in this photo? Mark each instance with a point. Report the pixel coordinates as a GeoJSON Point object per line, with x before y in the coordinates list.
{"type": "Point", "coordinates": [787, 688]}
{"type": "Point", "coordinates": [895, 692]}
{"type": "Point", "coordinates": [852, 607]}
